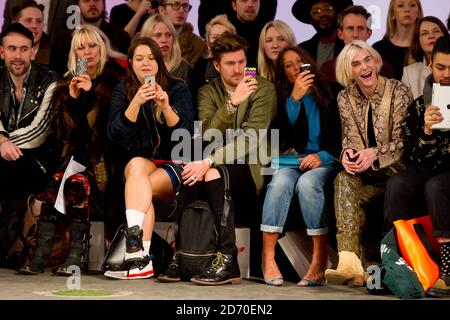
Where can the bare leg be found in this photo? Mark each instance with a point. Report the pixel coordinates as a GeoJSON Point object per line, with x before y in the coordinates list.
{"type": "Point", "coordinates": [270, 267]}
{"type": "Point", "coordinates": [319, 259]}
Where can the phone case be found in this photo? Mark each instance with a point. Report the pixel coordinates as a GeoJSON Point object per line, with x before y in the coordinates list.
{"type": "Point", "coordinates": [250, 71]}
{"type": "Point", "coordinates": [150, 79]}
{"type": "Point", "coordinates": [441, 99]}
{"type": "Point", "coordinates": [82, 66]}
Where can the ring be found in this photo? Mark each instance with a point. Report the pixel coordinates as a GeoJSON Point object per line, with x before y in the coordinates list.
{"type": "Point", "coordinates": [193, 178]}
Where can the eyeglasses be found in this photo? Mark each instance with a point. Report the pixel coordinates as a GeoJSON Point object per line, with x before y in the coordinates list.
{"type": "Point", "coordinates": [176, 6]}
{"type": "Point", "coordinates": [317, 11]}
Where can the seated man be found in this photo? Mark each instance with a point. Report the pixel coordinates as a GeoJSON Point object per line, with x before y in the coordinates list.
{"type": "Point", "coordinates": [27, 155]}
{"type": "Point", "coordinates": [425, 186]}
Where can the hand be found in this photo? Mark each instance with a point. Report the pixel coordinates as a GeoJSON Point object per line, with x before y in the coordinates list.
{"type": "Point", "coordinates": [302, 84]}
{"type": "Point", "coordinates": [160, 97]}
{"type": "Point", "coordinates": [349, 161]}
{"type": "Point", "coordinates": [9, 151]}
{"type": "Point", "coordinates": [365, 159]}
{"type": "Point", "coordinates": [144, 7]}
{"type": "Point", "coordinates": [81, 82]}
{"type": "Point", "coordinates": [432, 116]}
{"type": "Point", "coordinates": [195, 171]}
{"type": "Point", "coordinates": [243, 90]}
{"type": "Point", "coordinates": [144, 94]}
{"type": "Point", "coordinates": [311, 161]}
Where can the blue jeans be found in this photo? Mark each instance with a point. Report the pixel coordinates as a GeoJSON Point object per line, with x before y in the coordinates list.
{"type": "Point", "coordinates": [310, 187]}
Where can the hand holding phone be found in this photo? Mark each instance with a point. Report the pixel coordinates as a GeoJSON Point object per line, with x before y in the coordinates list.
{"type": "Point", "coordinates": [305, 66]}
{"type": "Point", "coordinates": [81, 67]}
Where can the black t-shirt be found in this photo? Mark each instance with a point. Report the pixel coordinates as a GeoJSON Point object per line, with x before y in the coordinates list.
{"type": "Point", "coordinates": [122, 14]}
{"type": "Point", "coordinates": [393, 54]}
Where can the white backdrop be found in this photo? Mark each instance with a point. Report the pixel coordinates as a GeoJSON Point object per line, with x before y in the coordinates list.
{"type": "Point", "coordinates": [378, 8]}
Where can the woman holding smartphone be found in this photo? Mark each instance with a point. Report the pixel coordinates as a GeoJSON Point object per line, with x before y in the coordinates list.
{"type": "Point", "coordinates": [310, 132]}
{"type": "Point", "coordinates": [81, 109]}
{"type": "Point", "coordinates": [142, 119]}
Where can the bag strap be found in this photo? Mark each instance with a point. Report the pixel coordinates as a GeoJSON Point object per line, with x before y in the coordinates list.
{"type": "Point", "coordinates": [227, 196]}
{"type": "Point", "coordinates": [420, 231]}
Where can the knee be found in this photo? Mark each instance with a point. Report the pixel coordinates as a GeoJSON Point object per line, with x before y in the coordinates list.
{"type": "Point", "coordinates": [139, 166]}
{"type": "Point", "coordinates": [397, 184]}
{"type": "Point", "coordinates": [212, 174]}
{"type": "Point", "coordinates": [281, 180]}
{"type": "Point", "coordinates": [435, 187]}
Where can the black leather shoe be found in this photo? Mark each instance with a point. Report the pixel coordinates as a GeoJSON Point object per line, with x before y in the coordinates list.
{"type": "Point", "coordinates": [223, 269]}
{"type": "Point", "coordinates": [441, 288]}
{"type": "Point", "coordinates": [171, 274]}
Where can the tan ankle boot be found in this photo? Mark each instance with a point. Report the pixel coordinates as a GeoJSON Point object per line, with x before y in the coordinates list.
{"type": "Point", "coordinates": [349, 270]}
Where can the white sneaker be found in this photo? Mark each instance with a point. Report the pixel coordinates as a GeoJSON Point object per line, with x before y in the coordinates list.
{"type": "Point", "coordinates": [142, 269]}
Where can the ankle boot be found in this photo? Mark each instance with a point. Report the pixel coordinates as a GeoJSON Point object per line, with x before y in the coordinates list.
{"type": "Point", "coordinates": [172, 272]}
{"type": "Point", "coordinates": [349, 270]}
{"type": "Point", "coordinates": [223, 269]}
{"type": "Point", "coordinates": [41, 257]}
{"type": "Point", "coordinates": [79, 248]}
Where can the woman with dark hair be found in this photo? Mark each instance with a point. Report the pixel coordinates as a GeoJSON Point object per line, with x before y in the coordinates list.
{"type": "Point", "coordinates": [81, 105]}
{"type": "Point", "coordinates": [310, 131]}
{"type": "Point", "coordinates": [143, 117]}
{"type": "Point", "coordinates": [427, 31]}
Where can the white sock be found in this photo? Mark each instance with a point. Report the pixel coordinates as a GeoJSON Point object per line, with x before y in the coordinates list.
{"type": "Point", "coordinates": [146, 244]}
{"type": "Point", "coordinates": [134, 218]}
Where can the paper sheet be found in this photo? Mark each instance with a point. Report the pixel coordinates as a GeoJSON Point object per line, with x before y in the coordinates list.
{"type": "Point", "coordinates": [72, 168]}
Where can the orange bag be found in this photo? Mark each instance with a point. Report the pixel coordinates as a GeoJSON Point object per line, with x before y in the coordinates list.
{"type": "Point", "coordinates": [417, 246]}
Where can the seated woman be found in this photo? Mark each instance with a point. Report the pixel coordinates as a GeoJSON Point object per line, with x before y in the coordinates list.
{"type": "Point", "coordinates": [81, 104]}
{"type": "Point", "coordinates": [310, 124]}
{"type": "Point", "coordinates": [373, 111]}
{"type": "Point", "coordinates": [142, 119]}
{"type": "Point", "coordinates": [274, 37]}
{"type": "Point", "coordinates": [162, 31]}
{"type": "Point", "coordinates": [427, 30]}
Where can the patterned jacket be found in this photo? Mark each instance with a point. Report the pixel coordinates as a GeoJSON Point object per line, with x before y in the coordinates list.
{"type": "Point", "coordinates": [389, 103]}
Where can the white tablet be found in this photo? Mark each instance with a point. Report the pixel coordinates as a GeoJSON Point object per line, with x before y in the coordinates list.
{"type": "Point", "coordinates": [441, 99]}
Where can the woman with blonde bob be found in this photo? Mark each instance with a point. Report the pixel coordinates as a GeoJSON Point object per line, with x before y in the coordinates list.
{"type": "Point", "coordinates": [161, 30]}
{"type": "Point", "coordinates": [274, 37]}
{"type": "Point", "coordinates": [402, 18]}
{"type": "Point", "coordinates": [373, 111]}
{"type": "Point", "coordinates": [81, 106]}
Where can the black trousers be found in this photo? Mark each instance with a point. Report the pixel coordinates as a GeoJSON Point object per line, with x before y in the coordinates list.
{"type": "Point", "coordinates": [416, 192]}
{"type": "Point", "coordinates": [243, 193]}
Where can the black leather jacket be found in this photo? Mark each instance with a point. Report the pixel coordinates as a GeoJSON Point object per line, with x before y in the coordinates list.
{"type": "Point", "coordinates": [28, 128]}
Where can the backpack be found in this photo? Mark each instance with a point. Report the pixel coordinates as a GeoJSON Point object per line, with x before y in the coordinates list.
{"type": "Point", "coordinates": [197, 234]}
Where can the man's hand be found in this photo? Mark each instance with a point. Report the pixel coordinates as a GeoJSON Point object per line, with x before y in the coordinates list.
{"type": "Point", "coordinates": [9, 151]}
{"type": "Point", "coordinates": [195, 171]}
{"type": "Point", "coordinates": [349, 161]}
{"type": "Point", "coordinates": [432, 116]}
{"type": "Point", "coordinates": [365, 159]}
{"type": "Point", "coordinates": [243, 90]}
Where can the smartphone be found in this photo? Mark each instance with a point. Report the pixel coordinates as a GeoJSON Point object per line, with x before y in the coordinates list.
{"type": "Point", "coordinates": [150, 79]}
{"type": "Point", "coordinates": [81, 67]}
{"type": "Point", "coordinates": [305, 66]}
{"type": "Point", "coordinates": [250, 71]}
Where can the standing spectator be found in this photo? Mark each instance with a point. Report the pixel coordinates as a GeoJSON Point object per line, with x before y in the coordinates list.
{"type": "Point", "coordinates": [161, 30]}
{"type": "Point", "coordinates": [204, 71]}
{"type": "Point", "coordinates": [373, 111]}
{"type": "Point", "coordinates": [28, 152]}
{"type": "Point", "coordinates": [400, 23]}
{"type": "Point", "coordinates": [81, 104]}
{"type": "Point", "coordinates": [275, 36]}
{"type": "Point", "coordinates": [131, 16]}
{"type": "Point", "coordinates": [142, 119]}
{"type": "Point", "coordinates": [310, 124]}
{"type": "Point", "coordinates": [92, 12]}
{"type": "Point", "coordinates": [325, 44]}
{"type": "Point", "coordinates": [427, 31]}
{"type": "Point", "coordinates": [192, 46]}
{"type": "Point", "coordinates": [425, 186]}
{"type": "Point", "coordinates": [31, 15]}
{"type": "Point", "coordinates": [353, 24]}
{"type": "Point", "coordinates": [55, 15]}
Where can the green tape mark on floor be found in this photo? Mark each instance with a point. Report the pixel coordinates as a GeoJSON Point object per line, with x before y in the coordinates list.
{"type": "Point", "coordinates": [83, 293]}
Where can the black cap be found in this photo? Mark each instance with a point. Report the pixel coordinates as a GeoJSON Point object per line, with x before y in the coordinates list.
{"type": "Point", "coordinates": [302, 8]}
{"type": "Point", "coordinates": [18, 28]}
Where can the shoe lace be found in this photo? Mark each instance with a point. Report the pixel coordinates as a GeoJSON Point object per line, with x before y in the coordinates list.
{"type": "Point", "coordinates": [218, 261]}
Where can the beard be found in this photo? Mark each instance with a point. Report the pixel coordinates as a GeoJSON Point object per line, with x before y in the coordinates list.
{"type": "Point", "coordinates": [18, 72]}
{"type": "Point", "coordinates": [325, 31]}
{"type": "Point", "coordinates": [95, 19]}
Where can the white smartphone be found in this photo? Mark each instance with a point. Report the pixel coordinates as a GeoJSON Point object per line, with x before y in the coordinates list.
{"type": "Point", "coordinates": [150, 79]}
{"type": "Point", "coordinates": [441, 99]}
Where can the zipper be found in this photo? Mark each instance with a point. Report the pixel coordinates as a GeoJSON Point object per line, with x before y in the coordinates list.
{"type": "Point", "coordinates": [197, 254]}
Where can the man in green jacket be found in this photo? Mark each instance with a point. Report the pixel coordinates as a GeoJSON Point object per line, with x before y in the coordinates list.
{"type": "Point", "coordinates": [247, 106]}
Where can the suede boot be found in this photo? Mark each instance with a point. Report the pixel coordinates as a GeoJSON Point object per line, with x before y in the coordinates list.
{"type": "Point", "coordinates": [349, 270]}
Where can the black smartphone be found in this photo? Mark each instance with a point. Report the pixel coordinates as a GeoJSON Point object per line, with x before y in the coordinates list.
{"type": "Point", "coordinates": [305, 66]}
{"type": "Point", "coordinates": [81, 67]}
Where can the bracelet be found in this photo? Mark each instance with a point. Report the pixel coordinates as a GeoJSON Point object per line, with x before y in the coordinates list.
{"type": "Point", "coordinates": [231, 108]}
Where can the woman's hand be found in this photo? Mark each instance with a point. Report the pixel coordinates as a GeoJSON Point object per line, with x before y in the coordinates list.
{"type": "Point", "coordinates": [302, 84]}
{"type": "Point", "coordinates": [160, 97]}
{"type": "Point", "coordinates": [195, 171]}
{"type": "Point", "coordinates": [144, 94]}
{"type": "Point", "coordinates": [311, 161]}
{"type": "Point", "coordinates": [432, 116]}
{"type": "Point", "coordinates": [81, 82]}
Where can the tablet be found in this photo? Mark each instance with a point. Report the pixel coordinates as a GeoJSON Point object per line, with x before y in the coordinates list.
{"type": "Point", "coordinates": [441, 99]}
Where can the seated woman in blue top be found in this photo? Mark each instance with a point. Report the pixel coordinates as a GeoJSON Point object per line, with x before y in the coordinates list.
{"type": "Point", "coordinates": [142, 119]}
{"type": "Point", "coordinates": [309, 125]}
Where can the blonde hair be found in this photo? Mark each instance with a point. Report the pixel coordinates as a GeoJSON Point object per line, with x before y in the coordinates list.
{"type": "Point", "coordinates": [266, 67]}
{"type": "Point", "coordinates": [391, 25]}
{"type": "Point", "coordinates": [344, 74]}
{"type": "Point", "coordinates": [148, 29]}
{"type": "Point", "coordinates": [79, 37]}
{"type": "Point", "coordinates": [222, 20]}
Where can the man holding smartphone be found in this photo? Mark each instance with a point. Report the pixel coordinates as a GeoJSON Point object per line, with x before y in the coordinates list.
{"type": "Point", "coordinates": [25, 115]}
{"type": "Point", "coordinates": [424, 187]}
